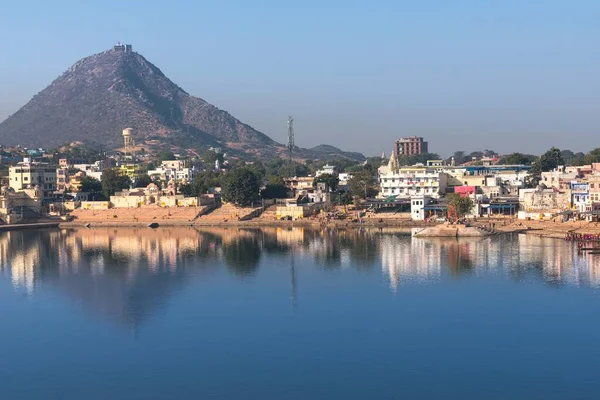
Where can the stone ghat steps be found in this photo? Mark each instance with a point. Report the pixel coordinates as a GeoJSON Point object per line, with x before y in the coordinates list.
{"type": "Point", "coordinates": [150, 214]}
{"type": "Point", "coordinates": [227, 212]}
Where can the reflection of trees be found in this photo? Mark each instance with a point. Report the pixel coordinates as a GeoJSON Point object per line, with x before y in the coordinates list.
{"type": "Point", "coordinates": [129, 273]}
{"type": "Point", "coordinates": [242, 255]}
{"type": "Point", "coordinates": [363, 248]}
{"type": "Point", "coordinates": [326, 250]}
{"type": "Point", "coordinates": [459, 258]}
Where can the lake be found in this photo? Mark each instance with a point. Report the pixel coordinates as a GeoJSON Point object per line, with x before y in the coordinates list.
{"type": "Point", "coordinates": [294, 313]}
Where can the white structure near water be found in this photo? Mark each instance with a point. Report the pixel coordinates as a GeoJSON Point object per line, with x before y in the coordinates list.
{"type": "Point", "coordinates": [407, 182]}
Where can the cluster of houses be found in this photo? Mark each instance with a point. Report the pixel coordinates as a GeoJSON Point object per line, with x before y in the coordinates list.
{"type": "Point", "coordinates": [421, 189]}
{"type": "Point", "coordinates": [567, 192]}
{"type": "Point", "coordinates": [32, 184]}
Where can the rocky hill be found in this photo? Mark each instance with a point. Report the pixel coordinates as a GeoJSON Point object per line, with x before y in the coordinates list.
{"type": "Point", "coordinates": [99, 96]}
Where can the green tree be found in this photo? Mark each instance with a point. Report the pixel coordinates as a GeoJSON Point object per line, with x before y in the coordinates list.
{"type": "Point", "coordinates": [209, 157]}
{"type": "Point", "coordinates": [475, 154]}
{"type": "Point", "coordinates": [463, 205]}
{"type": "Point", "coordinates": [302, 169]}
{"type": "Point", "coordinates": [91, 185]}
{"type": "Point", "coordinates": [142, 181]}
{"type": "Point", "coordinates": [418, 158]}
{"type": "Point", "coordinates": [187, 190]}
{"type": "Point", "coordinates": [277, 191]}
{"type": "Point", "coordinates": [578, 160]}
{"type": "Point", "coordinates": [517, 159]}
{"type": "Point", "coordinates": [332, 181]}
{"type": "Point", "coordinates": [592, 157]}
{"type": "Point", "coordinates": [259, 169]}
{"type": "Point", "coordinates": [362, 184]}
{"type": "Point", "coordinates": [112, 182]}
{"type": "Point", "coordinates": [571, 158]}
{"type": "Point", "coordinates": [240, 186]}
{"type": "Point", "coordinates": [206, 180]}
{"type": "Point", "coordinates": [460, 157]}
{"type": "Point", "coordinates": [547, 162]}
{"type": "Point", "coordinates": [164, 155]}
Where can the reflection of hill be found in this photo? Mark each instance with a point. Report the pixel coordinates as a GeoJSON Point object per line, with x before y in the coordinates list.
{"type": "Point", "coordinates": [127, 274]}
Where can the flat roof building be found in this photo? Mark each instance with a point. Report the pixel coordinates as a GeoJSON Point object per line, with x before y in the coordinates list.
{"type": "Point", "coordinates": [410, 146]}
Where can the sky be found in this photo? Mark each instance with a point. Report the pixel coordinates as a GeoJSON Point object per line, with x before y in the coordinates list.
{"type": "Point", "coordinates": [509, 75]}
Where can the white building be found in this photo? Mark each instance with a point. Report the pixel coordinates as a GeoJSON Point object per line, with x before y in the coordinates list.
{"type": "Point", "coordinates": [411, 181]}
{"type": "Point", "coordinates": [28, 175]}
{"type": "Point", "coordinates": [417, 207]}
{"type": "Point", "coordinates": [94, 170]}
{"type": "Point", "coordinates": [173, 170]}
{"type": "Point", "coordinates": [326, 169]}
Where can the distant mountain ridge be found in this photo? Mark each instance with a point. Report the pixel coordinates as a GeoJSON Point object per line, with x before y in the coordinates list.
{"type": "Point", "coordinates": [100, 95]}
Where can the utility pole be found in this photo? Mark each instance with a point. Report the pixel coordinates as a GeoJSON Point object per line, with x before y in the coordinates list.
{"type": "Point", "coordinates": [291, 144]}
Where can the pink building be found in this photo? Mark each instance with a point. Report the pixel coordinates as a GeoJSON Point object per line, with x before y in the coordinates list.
{"type": "Point", "coordinates": [465, 191]}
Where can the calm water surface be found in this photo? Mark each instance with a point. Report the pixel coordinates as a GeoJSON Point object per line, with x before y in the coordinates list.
{"type": "Point", "coordinates": [295, 314]}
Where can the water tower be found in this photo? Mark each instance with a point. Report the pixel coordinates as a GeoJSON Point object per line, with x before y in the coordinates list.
{"type": "Point", "coordinates": [128, 141]}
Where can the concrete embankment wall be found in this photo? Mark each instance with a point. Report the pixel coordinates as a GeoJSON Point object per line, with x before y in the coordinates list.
{"type": "Point", "coordinates": [38, 225]}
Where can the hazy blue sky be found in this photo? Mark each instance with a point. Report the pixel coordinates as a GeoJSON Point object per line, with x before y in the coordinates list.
{"type": "Point", "coordinates": [509, 75]}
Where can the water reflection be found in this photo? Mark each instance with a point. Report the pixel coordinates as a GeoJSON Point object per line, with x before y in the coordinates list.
{"type": "Point", "coordinates": [128, 274]}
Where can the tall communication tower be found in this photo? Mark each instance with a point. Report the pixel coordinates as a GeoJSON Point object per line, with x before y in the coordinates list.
{"type": "Point", "coordinates": [291, 144]}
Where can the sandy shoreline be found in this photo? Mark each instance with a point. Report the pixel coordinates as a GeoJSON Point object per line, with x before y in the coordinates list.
{"type": "Point", "coordinates": [546, 229]}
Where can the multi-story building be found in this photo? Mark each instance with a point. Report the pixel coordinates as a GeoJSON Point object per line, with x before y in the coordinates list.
{"type": "Point", "coordinates": [62, 178]}
{"type": "Point", "coordinates": [28, 175]}
{"type": "Point", "coordinates": [559, 178]}
{"type": "Point", "coordinates": [76, 180]}
{"type": "Point", "coordinates": [409, 146]}
{"type": "Point", "coordinates": [594, 188]}
{"type": "Point", "coordinates": [173, 164]}
{"type": "Point", "coordinates": [95, 170]}
{"type": "Point", "coordinates": [411, 181]}
{"type": "Point", "coordinates": [580, 196]}
{"type": "Point", "coordinates": [299, 183]}
{"type": "Point", "coordinates": [173, 170]}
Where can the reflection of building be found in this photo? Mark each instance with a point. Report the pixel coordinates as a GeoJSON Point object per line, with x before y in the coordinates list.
{"type": "Point", "coordinates": [128, 274]}
{"type": "Point", "coordinates": [290, 235]}
{"type": "Point", "coordinates": [407, 258]}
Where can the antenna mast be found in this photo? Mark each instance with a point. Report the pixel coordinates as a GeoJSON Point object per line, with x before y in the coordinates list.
{"type": "Point", "coordinates": [291, 144]}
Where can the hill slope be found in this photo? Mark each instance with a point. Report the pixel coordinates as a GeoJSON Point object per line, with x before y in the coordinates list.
{"type": "Point", "coordinates": [102, 94]}
{"type": "Point", "coordinates": [99, 96]}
